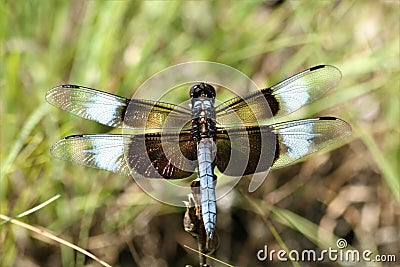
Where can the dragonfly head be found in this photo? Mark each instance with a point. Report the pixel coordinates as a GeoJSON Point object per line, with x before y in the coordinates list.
{"type": "Point", "coordinates": [202, 90]}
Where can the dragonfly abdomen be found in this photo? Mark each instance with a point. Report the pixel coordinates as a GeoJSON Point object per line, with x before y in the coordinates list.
{"type": "Point", "coordinates": [206, 151]}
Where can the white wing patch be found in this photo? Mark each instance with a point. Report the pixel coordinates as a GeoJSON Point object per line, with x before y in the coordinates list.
{"type": "Point", "coordinates": [89, 103]}
{"type": "Point", "coordinates": [101, 151]}
{"type": "Point", "coordinates": [101, 110]}
{"type": "Point", "coordinates": [305, 87]}
{"type": "Point", "coordinates": [113, 159]}
{"type": "Point", "coordinates": [298, 140]}
{"type": "Point", "coordinates": [303, 137]}
{"type": "Point", "coordinates": [294, 95]}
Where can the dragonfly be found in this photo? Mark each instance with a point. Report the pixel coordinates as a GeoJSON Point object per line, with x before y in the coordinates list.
{"type": "Point", "coordinates": [206, 135]}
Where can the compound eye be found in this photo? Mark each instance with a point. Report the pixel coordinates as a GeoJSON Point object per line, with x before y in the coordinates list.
{"type": "Point", "coordinates": [202, 90]}
{"type": "Point", "coordinates": [194, 91]}
{"type": "Point", "coordinates": [209, 90]}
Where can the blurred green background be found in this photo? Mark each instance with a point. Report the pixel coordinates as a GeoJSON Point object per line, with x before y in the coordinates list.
{"type": "Point", "coordinates": [352, 192]}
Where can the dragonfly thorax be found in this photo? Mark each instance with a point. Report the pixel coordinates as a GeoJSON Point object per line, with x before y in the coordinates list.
{"type": "Point", "coordinates": [203, 111]}
{"type": "Point", "coordinates": [203, 118]}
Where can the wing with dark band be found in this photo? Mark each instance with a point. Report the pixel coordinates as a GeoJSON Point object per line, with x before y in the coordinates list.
{"type": "Point", "coordinates": [240, 150]}
{"type": "Point", "coordinates": [113, 110]}
{"type": "Point", "coordinates": [157, 155]}
{"type": "Point", "coordinates": [150, 155]}
{"type": "Point", "coordinates": [287, 143]}
{"type": "Point", "coordinates": [280, 99]}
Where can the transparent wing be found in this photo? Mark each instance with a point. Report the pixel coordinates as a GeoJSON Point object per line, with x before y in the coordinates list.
{"type": "Point", "coordinates": [113, 110]}
{"type": "Point", "coordinates": [275, 145]}
{"type": "Point", "coordinates": [300, 138]}
{"type": "Point", "coordinates": [280, 99]}
{"type": "Point", "coordinates": [101, 151]}
{"type": "Point", "coordinates": [150, 155]}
